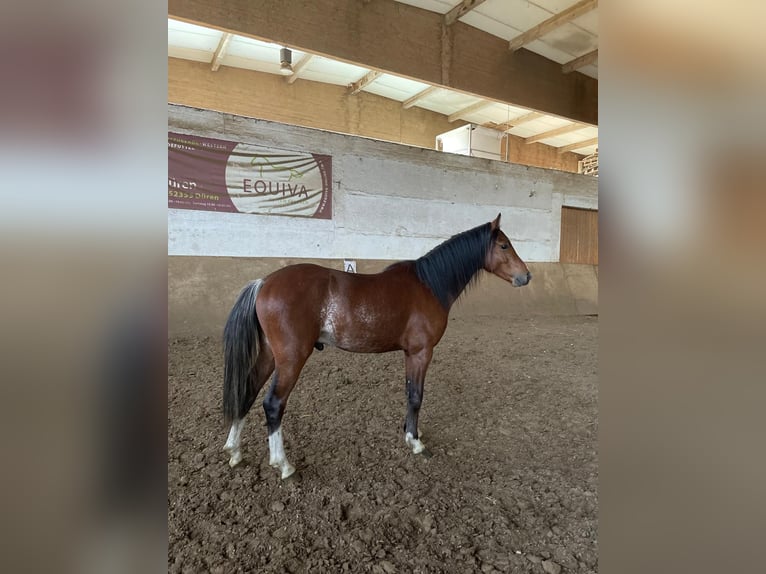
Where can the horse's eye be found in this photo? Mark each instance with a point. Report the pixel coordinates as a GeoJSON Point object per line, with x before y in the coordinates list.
{"type": "Point", "coordinates": [504, 246]}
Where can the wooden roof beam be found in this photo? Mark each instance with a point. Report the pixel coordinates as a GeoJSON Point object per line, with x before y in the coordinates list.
{"type": "Point", "coordinates": [555, 21]}
{"type": "Point", "coordinates": [304, 61]}
{"type": "Point", "coordinates": [581, 62]}
{"type": "Point", "coordinates": [576, 145]}
{"type": "Point", "coordinates": [364, 81]}
{"type": "Point", "coordinates": [220, 51]}
{"type": "Point", "coordinates": [461, 10]}
{"type": "Point", "coordinates": [407, 104]}
{"type": "Point", "coordinates": [555, 132]}
{"type": "Point", "coordinates": [469, 110]}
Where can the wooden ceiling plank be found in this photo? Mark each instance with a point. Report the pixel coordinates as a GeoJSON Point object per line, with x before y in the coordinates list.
{"type": "Point", "coordinates": [407, 104]}
{"type": "Point", "coordinates": [364, 81]}
{"type": "Point", "coordinates": [461, 10]}
{"type": "Point", "coordinates": [220, 51]}
{"type": "Point", "coordinates": [304, 61]}
{"type": "Point", "coordinates": [577, 145]}
{"type": "Point", "coordinates": [555, 21]}
{"type": "Point", "coordinates": [581, 62]}
{"type": "Point", "coordinates": [555, 132]}
{"type": "Point", "coordinates": [480, 105]}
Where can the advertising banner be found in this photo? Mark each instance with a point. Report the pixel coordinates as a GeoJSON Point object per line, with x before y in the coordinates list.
{"type": "Point", "coordinates": [218, 175]}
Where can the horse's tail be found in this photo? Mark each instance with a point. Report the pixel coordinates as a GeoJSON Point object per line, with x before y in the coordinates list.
{"type": "Point", "coordinates": [240, 349]}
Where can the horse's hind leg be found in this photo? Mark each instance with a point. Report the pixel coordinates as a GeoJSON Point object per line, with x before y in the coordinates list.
{"type": "Point", "coordinates": [233, 442]}
{"type": "Point", "coordinates": [416, 365]}
{"type": "Point", "coordinates": [274, 404]}
{"type": "Point", "coordinates": [264, 366]}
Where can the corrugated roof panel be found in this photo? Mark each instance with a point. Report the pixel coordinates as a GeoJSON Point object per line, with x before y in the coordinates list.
{"type": "Point", "coordinates": [572, 137]}
{"type": "Point", "coordinates": [546, 123]}
{"type": "Point", "coordinates": [520, 14]}
{"type": "Point", "coordinates": [329, 71]}
{"type": "Point", "coordinates": [501, 113]}
{"type": "Point", "coordinates": [386, 91]}
{"type": "Point", "coordinates": [590, 132]}
{"type": "Point", "coordinates": [250, 49]}
{"type": "Point", "coordinates": [440, 6]}
{"type": "Point", "coordinates": [395, 88]}
{"type": "Point", "coordinates": [588, 21]}
{"type": "Point", "coordinates": [523, 131]}
{"type": "Point", "coordinates": [567, 139]}
{"type": "Point", "coordinates": [406, 84]}
{"type": "Point", "coordinates": [192, 37]}
{"type": "Point", "coordinates": [185, 27]}
{"type": "Point", "coordinates": [494, 112]}
{"type": "Point", "coordinates": [479, 20]}
{"type": "Point", "coordinates": [476, 118]}
{"type": "Point", "coordinates": [550, 52]}
{"type": "Point", "coordinates": [539, 126]}
{"type": "Point", "coordinates": [555, 142]}
{"type": "Point", "coordinates": [205, 56]}
{"type": "Point", "coordinates": [591, 70]}
{"type": "Point", "coordinates": [571, 40]}
{"type": "Point", "coordinates": [446, 102]}
{"type": "Point", "coordinates": [250, 64]}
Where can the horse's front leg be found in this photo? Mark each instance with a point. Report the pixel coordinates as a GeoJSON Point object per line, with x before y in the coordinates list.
{"type": "Point", "coordinates": [416, 365]}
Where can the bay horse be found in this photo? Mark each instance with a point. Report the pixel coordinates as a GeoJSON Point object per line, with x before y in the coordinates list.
{"type": "Point", "coordinates": [278, 321]}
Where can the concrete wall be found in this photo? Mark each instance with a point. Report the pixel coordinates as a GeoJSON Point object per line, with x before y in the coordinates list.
{"type": "Point", "coordinates": [389, 201]}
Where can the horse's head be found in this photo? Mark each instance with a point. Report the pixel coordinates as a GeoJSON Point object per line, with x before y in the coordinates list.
{"type": "Point", "coordinates": [502, 259]}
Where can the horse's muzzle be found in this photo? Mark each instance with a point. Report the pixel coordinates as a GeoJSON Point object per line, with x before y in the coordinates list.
{"type": "Point", "coordinates": [521, 280]}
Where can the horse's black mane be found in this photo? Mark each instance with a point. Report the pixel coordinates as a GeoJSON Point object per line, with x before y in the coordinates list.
{"type": "Point", "coordinates": [449, 268]}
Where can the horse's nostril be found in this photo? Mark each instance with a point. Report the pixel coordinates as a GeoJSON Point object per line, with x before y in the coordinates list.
{"type": "Point", "coordinates": [520, 280]}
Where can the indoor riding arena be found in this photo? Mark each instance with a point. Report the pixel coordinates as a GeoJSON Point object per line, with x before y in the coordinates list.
{"type": "Point", "coordinates": [355, 135]}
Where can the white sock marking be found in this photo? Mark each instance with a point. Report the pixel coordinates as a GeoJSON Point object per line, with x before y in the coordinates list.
{"type": "Point", "coordinates": [277, 457]}
{"type": "Point", "coordinates": [415, 444]}
{"type": "Point", "coordinates": [233, 442]}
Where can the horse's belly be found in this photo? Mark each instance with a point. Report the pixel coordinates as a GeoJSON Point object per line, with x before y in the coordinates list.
{"type": "Point", "coordinates": [362, 333]}
{"type": "Point", "coordinates": [368, 346]}
{"type": "Point", "coordinates": [358, 341]}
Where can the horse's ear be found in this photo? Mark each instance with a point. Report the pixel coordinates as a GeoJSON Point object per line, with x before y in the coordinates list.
{"type": "Point", "coordinates": [496, 223]}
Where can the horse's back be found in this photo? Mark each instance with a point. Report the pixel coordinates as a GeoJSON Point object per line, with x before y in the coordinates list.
{"type": "Point", "coordinates": [304, 277]}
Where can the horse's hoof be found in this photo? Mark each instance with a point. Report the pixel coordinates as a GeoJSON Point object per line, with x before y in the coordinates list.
{"type": "Point", "coordinates": [415, 444]}
{"type": "Point", "coordinates": [235, 459]}
{"type": "Point", "coordinates": [287, 471]}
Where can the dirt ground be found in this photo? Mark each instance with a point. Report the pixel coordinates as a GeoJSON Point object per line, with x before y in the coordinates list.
{"type": "Point", "coordinates": [510, 419]}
